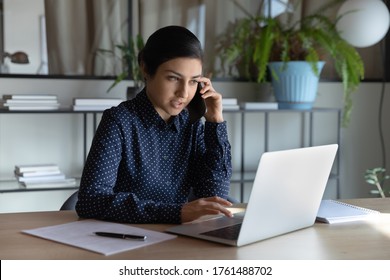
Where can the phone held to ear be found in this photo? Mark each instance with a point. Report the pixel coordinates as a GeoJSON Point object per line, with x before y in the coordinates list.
{"type": "Point", "coordinates": [197, 107]}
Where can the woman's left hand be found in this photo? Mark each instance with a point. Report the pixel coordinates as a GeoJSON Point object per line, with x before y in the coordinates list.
{"type": "Point", "coordinates": [213, 101]}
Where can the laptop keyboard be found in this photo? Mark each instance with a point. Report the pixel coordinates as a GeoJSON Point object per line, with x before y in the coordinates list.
{"type": "Point", "coordinates": [229, 232]}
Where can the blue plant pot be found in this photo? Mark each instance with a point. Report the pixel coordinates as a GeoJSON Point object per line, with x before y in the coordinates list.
{"type": "Point", "coordinates": [295, 84]}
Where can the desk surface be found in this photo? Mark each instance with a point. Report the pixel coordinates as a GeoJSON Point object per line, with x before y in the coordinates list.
{"type": "Point", "coordinates": [353, 240]}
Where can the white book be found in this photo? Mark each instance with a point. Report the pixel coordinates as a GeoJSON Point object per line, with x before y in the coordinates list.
{"type": "Point", "coordinates": [30, 96]}
{"type": "Point", "coordinates": [259, 105]}
{"type": "Point", "coordinates": [38, 173]}
{"type": "Point", "coordinates": [42, 179]}
{"type": "Point", "coordinates": [32, 104]}
{"type": "Point", "coordinates": [91, 107]}
{"type": "Point", "coordinates": [229, 101]}
{"type": "Point", "coordinates": [230, 107]}
{"type": "Point", "coordinates": [332, 211]}
{"type": "Point", "coordinates": [34, 108]}
{"type": "Point", "coordinates": [20, 168]}
{"type": "Point", "coordinates": [97, 101]}
{"type": "Point", "coordinates": [31, 101]}
{"type": "Point", "coordinates": [69, 182]}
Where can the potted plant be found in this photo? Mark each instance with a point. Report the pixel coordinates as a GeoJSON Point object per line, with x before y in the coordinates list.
{"type": "Point", "coordinates": [377, 176]}
{"type": "Point", "coordinates": [253, 42]}
{"type": "Point", "coordinates": [131, 69]}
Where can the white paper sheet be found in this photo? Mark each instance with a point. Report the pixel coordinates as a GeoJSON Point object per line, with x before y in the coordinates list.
{"type": "Point", "coordinates": [81, 234]}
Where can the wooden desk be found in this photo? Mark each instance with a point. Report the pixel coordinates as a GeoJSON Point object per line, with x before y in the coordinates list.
{"type": "Point", "coordinates": [355, 240]}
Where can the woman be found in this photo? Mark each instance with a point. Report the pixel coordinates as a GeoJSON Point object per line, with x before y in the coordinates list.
{"type": "Point", "coordinates": [147, 157]}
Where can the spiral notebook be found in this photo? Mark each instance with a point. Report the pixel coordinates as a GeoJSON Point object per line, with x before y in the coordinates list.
{"type": "Point", "coordinates": [332, 211]}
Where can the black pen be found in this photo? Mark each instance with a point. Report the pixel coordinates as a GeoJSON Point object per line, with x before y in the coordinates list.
{"type": "Point", "coordinates": [121, 235]}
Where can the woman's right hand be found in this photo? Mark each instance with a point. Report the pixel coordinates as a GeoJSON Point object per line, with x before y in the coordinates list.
{"type": "Point", "coordinates": [205, 206]}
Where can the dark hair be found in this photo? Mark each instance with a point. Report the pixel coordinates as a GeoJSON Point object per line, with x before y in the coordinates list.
{"type": "Point", "coordinates": [168, 43]}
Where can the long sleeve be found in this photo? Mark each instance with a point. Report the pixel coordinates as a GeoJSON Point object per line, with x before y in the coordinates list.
{"type": "Point", "coordinates": [213, 169]}
{"type": "Point", "coordinates": [141, 170]}
{"type": "Point", "coordinates": [102, 196]}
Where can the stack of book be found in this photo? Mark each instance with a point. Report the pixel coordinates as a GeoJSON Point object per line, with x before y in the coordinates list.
{"type": "Point", "coordinates": [42, 176]}
{"type": "Point", "coordinates": [95, 104]}
{"type": "Point", "coordinates": [230, 104]}
{"type": "Point", "coordinates": [21, 102]}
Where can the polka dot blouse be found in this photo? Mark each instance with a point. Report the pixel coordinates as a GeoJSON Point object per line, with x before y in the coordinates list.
{"type": "Point", "coordinates": [141, 169]}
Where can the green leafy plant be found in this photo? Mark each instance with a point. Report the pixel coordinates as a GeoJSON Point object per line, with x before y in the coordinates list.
{"type": "Point", "coordinates": [377, 176]}
{"type": "Point", "coordinates": [251, 42]}
{"type": "Point", "coordinates": [129, 58]}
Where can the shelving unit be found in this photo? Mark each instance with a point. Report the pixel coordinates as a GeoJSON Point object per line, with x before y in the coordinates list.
{"type": "Point", "coordinates": [240, 176]}
{"type": "Point", "coordinates": [243, 176]}
{"type": "Point", "coordinates": [9, 186]}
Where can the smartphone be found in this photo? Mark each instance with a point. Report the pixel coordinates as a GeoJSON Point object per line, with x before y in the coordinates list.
{"type": "Point", "coordinates": [197, 107]}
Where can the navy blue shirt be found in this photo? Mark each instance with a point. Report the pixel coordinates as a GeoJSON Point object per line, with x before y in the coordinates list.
{"type": "Point", "coordinates": [140, 169]}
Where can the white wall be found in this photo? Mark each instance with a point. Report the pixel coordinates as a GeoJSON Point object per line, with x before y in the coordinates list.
{"type": "Point", "coordinates": [58, 138]}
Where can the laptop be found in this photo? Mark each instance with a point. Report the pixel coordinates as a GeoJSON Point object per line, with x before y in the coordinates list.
{"type": "Point", "coordinates": [285, 197]}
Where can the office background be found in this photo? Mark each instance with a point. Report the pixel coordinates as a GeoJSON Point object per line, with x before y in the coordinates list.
{"type": "Point", "coordinates": [57, 138]}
